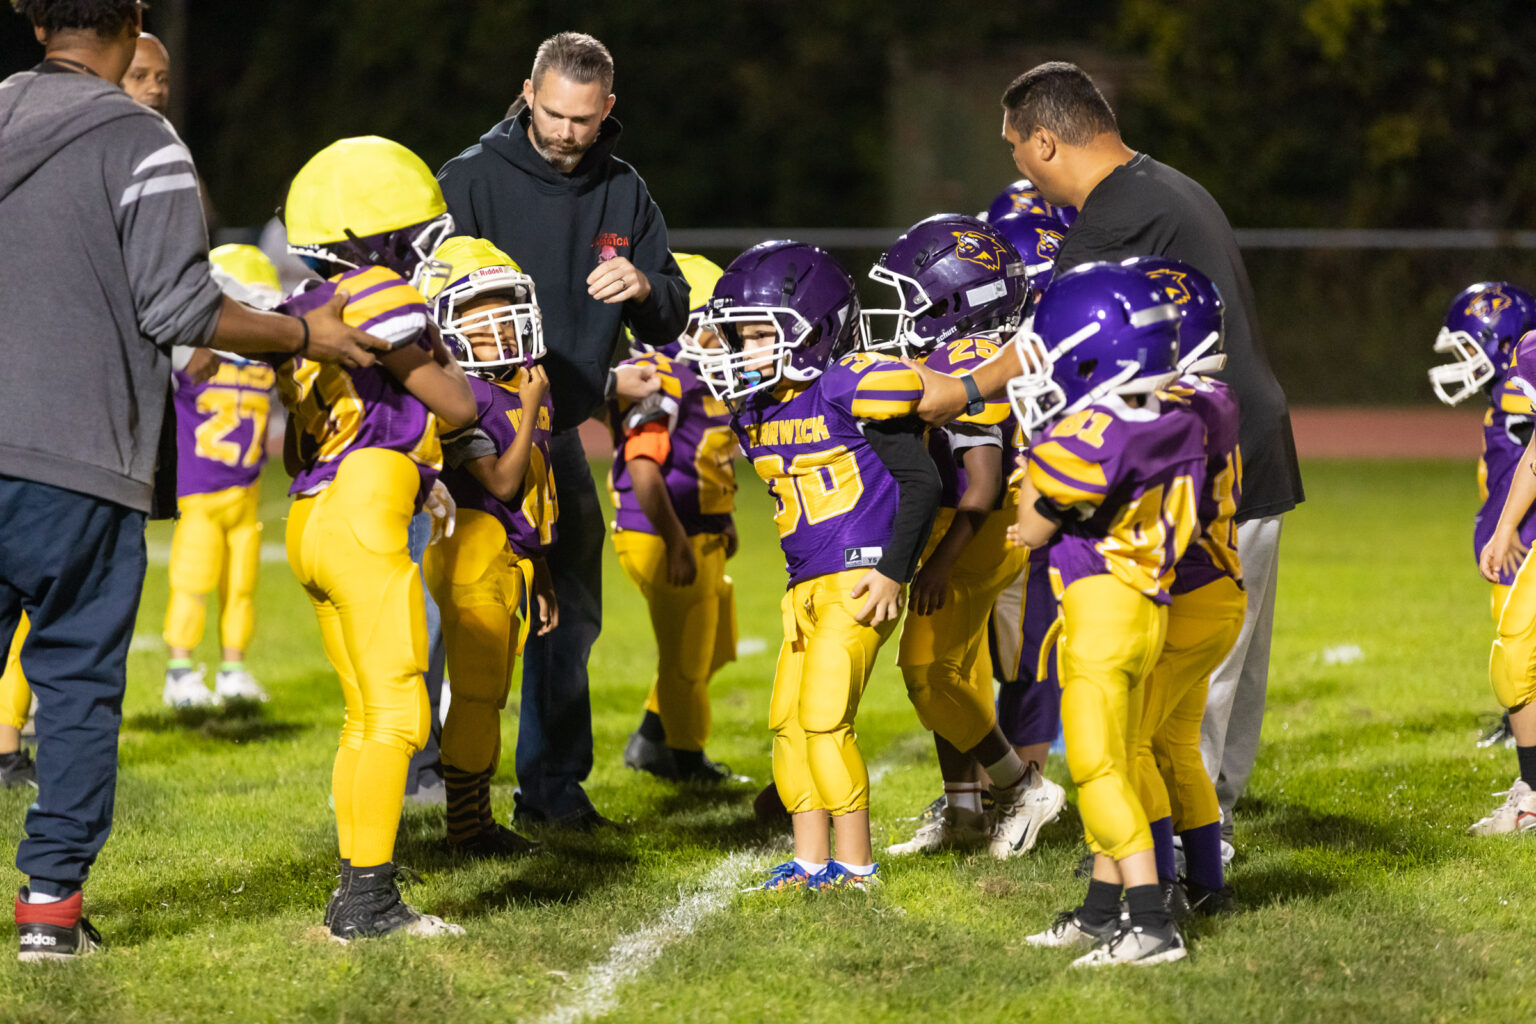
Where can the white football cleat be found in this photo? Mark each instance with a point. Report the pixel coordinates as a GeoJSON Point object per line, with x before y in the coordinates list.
{"type": "Point", "coordinates": [238, 684]}
{"type": "Point", "coordinates": [1516, 814]}
{"type": "Point", "coordinates": [954, 829]}
{"type": "Point", "coordinates": [1021, 811]}
{"type": "Point", "coordinates": [1069, 931]}
{"type": "Point", "coordinates": [185, 688]}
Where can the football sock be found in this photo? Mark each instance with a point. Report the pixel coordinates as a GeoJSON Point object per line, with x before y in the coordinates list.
{"type": "Point", "coordinates": [1007, 771]}
{"type": "Point", "coordinates": [811, 867]}
{"type": "Point", "coordinates": [178, 664]}
{"type": "Point", "coordinates": [1162, 848]}
{"type": "Point", "coordinates": [231, 666]}
{"type": "Point", "coordinates": [1202, 856]}
{"type": "Point", "coordinates": [857, 869]}
{"type": "Point", "coordinates": [1102, 904]}
{"type": "Point", "coordinates": [483, 799]}
{"type": "Point", "coordinates": [964, 796]}
{"type": "Point", "coordinates": [378, 791]}
{"type": "Point", "coordinates": [687, 761]}
{"type": "Point", "coordinates": [463, 803]}
{"type": "Point", "coordinates": [651, 727]}
{"type": "Point", "coordinates": [34, 898]}
{"type": "Point", "coordinates": [1147, 906]}
{"type": "Point", "coordinates": [342, 776]}
{"type": "Point", "coordinates": [1527, 756]}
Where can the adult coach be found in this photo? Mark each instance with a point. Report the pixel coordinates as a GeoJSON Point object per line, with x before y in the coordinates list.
{"type": "Point", "coordinates": [1064, 138]}
{"type": "Point", "coordinates": [99, 196]}
{"type": "Point", "coordinates": [545, 187]}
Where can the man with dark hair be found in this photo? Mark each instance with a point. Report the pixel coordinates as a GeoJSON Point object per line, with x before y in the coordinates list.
{"type": "Point", "coordinates": [545, 187]}
{"type": "Point", "coordinates": [1064, 138]}
{"type": "Point", "coordinates": [101, 196]}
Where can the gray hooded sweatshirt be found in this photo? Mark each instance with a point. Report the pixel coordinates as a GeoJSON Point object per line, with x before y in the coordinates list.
{"type": "Point", "coordinates": [103, 267]}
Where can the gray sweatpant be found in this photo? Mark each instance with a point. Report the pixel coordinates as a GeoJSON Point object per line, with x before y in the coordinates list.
{"type": "Point", "coordinates": [1234, 708]}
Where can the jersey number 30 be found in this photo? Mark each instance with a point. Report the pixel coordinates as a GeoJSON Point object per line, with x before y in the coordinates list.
{"type": "Point", "coordinates": [814, 487]}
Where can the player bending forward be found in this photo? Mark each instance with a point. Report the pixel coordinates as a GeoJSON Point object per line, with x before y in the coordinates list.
{"type": "Point", "coordinates": [674, 489]}
{"type": "Point", "coordinates": [983, 288]}
{"type": "Point", "coordinates": [1115, 472]}
{"type": "Point", "coordinates": [221, 447]}
{"type": "Point", "coordinates": [834, 435]}
{"type": "Point", "coordinates": [488, 574]}
{"type": "Point", "coordinates": [363, 448]}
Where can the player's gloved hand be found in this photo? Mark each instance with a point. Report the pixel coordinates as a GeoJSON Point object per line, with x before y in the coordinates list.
{"type": "Point", "coordinates": [930, 587]}
{"type": "Point", "coordinates": [1503, 551]}
{"type": "Point", "coordinates": [544, 597]}
{"type": "Point", "coordinates": [682, 566]}
{"type": "Point", "coordinates": [633, 381]}
{"type": "Point", "coordinates": [444, 512]}
{"type": "Point", "coordinates": [884, 600]}
{"type": "Point", "coordinates": [332, 340]}
{"type": "Point", "coordinates": [534, 387]}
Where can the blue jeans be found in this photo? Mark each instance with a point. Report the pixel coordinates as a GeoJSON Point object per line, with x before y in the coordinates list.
{"type": "Point", "coordinates": [76, 565]}
{"type": "Point", "coordinates": [428, 760]}
{"type": "Point", "coordinates": [554, 738]}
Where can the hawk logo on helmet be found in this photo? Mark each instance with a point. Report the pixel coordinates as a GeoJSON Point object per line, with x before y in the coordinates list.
{"type": "Point", "coordinates": [1174, 282]}
{"type": "Point", "coordinates": [975, 247]}
{"type": "Point", "coordinates": [1049, 246]}
{"type": "Point", "coordinates": [1028, 202]}
{"type": "Point", "coordinates": [1489, 304]}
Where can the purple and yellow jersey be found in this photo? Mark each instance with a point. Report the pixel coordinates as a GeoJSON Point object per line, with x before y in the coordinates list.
{"type": "Point", "coordinates": [530, 523]}
{"type": "Point", "coordinates": [687, 432]}
{"type": "Point", "coordinates": [1506, 432]}
{"type": "Point", "coordinates": [338, 409]}
{"type": "Point", "coordinates": [994, 426]}
{"type": "Point", "coordinates": [835, 497]}
{"type": "Point", "coordinates": [1213, 554]}
{"type": "Point", "coordinates": [1126, 484]}
{"type": "Point", "coordinates": [221, 427]}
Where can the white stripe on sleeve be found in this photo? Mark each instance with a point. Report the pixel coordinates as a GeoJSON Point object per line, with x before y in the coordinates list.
{"type": "Point", "coordinates": [169, 183]}
{"type": "Point", "coordinates": [175, 153]}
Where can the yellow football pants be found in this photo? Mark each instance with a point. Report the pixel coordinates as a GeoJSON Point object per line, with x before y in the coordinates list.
{"type": "Point", "coordinates": [943, 656]}
{"type": "Point", "coordinates": [823, 667]}
{"type": "Point", "coordinates": [1202, 627]}
{"type": "Point", "coordinates": [480, 585]}
{"type": "Point", "coordinates": [216, 544]}
{"type": "Point", "coordinates": [695, 628]}
{"type": "Point", "coordinates": [1498, 600]}
{"type": "Point", "coordinates": [1512, 665]}
{"type": "Point", "coordinates": [1111, 637]}
{"type": "Point", "coordinates": [347, 546]}
{"type": "Point", "coordinates": [15, 694]}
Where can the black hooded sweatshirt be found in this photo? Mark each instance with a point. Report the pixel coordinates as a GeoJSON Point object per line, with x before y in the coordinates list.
{"type": "Point", "coordinates": [559, 227]}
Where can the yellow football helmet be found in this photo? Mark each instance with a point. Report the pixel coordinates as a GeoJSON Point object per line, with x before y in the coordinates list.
{"type": "Point", "coordinates": [477, 268]}
{"type": "Point", "coordinates": [702, 274]}
{"type": "Point", "coordinates": [367, 200]}
{"type": "Point", "coordinates": [244, 273]}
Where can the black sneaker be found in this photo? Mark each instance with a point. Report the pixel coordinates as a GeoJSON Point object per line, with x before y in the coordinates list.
{"type": "Point", "coordinates": [496, 841]}
{"type": "Point", "coordinates": [369, 905]}
{"type": "Point", "coordinates": [18, 769]}
{"type": "Point", "coordinates": [710, 773]}
{"type": "Point", "coordinates": [588, 819]}
{"type": "Point", "coordinates": [53, 931]}
{"type": "Point", "coordinates": [1210, 902]}
{"type": "Point", "coordinates": [1177, 901]}
{"type": "Point", "coordinates": [650, 756]}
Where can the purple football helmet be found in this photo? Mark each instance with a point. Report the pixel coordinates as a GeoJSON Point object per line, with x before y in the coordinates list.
{"type": "Point", "coordinates": [1201, 310]}
{"type": "Point", "coordinates": [1481, 328]}
{"type": "Point", "coordinates": [1019, 197]}
{"type": "Point", "coordinates": [1100, 329]}
{"type": "Point", "coordinates": [798, 289]}
{"type": "Point", "coordinates": [954, 276]}
{"type": "Point", "coordinates": [1038, 237]}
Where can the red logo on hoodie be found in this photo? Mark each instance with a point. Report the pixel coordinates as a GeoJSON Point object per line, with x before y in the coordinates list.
{"type": "Point", "coordinates": [608, 245]}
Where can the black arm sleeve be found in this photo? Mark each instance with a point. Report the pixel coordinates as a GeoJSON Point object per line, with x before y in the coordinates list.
{"type": "Point", "coordinates": [899, 446]}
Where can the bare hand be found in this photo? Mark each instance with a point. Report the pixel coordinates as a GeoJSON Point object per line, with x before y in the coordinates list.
{"type": "Point", "coordinates": [331, 340]}
{"type": "Point", "coordinates": [544, 597]}
{"type": "Point", "coordinates": [443, 510]}
{"type": "Point", "coordinates": [884, 603]}
{"type": "Point", "coordinates": [1015, 535]}
{"type": "Point", "coordinates": [682, 566]}
{"type": "Point", "coordinates": [635, 381]}
{"type": "Point", "coordinates": [930, 588]}
{"type": "Point", "coordinates": [202, 365]}
{"type": "Point", "coordinates": [534, 387]}
{"type": "Point", "coordinates": [1504, 551]}
{"type": "Point", "coordinates": [618, 280]}
{"type": "Point", "coordinates": [732, 541]}
{"type": "Point", "coordinates": [944, 397]}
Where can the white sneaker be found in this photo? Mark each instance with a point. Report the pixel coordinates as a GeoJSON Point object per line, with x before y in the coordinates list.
{"type": "Point", "coordinates": [1516, 814]}
{"type": "Point", "coordinates": [238, 685]}
{"type": "Point", "coordinates": [1069, 931]}
{"type": "Point", "coordinates": [185, 688]}
{"type": "Point", "coordinates": [1022, 811]}
{"type": "Point", "coordinates": [955, 829]}
{"type": "Point", "coordinates": [1138, 946]}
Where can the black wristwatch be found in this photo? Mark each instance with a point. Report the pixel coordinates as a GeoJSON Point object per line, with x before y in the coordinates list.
{"type": "Point", "coordinates": [974, 402]}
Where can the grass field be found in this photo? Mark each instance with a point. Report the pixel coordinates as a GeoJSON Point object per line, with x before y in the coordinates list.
{"type": "Point", "coordinates": [1363, 899]}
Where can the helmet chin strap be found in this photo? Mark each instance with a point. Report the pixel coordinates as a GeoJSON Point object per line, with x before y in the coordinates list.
{"type": "Point", "coordinates": [374, 256]}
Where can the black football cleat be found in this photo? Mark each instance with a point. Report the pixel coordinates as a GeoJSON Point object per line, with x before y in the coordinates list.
{"type": "Point", "coordinates": [369, 905]}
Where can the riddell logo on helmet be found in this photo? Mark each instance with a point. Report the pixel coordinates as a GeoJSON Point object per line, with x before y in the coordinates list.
{"type": "Point", "coordinates": [489, 273]}
{"type": "Point", "coordinates": [608, 245]}
{"type": "Point", "coordinates": [974, 247]}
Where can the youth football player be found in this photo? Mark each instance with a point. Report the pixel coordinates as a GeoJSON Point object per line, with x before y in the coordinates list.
{"type": "Point", "coordinates": [487, 574]}
{"type": "Point", "coordinates": [363, 447]}
{"type": "Point", "coordinates": [673, 486]}
{"type": "Point", "coordinates": [1481, 327]}
{"type": "Point", "coordinates": [960, 288]}
{"type": "Point", "coordinates": [1115, 472]}
{"type": "Point", "coordinates": [833, 434]}
{"type": "Point", "coordinates": [221, 442]}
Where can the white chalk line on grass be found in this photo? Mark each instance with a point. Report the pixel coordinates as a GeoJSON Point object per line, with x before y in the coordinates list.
{"type": "Point", "coordinates": [598, 992]}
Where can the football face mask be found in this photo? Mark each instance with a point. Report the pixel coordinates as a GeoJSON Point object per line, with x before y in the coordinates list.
{"type": "Point", "coordinates": [752, 352]}
{"type": "Point", "coordinates": [469, 318]}
{"type": "Point", "coordinates": [1480, 330]}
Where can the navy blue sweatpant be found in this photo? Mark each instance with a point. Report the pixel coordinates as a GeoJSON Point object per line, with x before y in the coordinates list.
{"type": "Point", "coordinates": [75, 564]}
